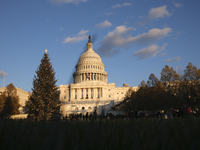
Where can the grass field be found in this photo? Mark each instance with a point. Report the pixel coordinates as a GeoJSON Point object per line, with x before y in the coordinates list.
{"type": "Point", "coordinates": [152, 134]}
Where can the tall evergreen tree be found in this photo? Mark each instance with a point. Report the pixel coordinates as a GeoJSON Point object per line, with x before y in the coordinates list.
{"type": "Point", "coordinates": [44, 102]}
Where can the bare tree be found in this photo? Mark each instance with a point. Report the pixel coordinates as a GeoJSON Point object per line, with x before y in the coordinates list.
{"type": "Point", "coordinates": [191, 72]}
{"type": "Point", "coordinates": [168, 74]}
{"type": "Point", "coordinates": [153, 80]}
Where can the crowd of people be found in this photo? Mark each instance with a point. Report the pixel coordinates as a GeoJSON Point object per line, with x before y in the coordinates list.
{"type": "Point", "coordinates": [135, 114]}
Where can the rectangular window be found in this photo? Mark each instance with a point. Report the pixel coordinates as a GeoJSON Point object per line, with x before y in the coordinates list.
{"type": "Point", "coordinates": [98, 93]}
{"type": "Point", "coordinates": [64, 97]}
{"type": "Point", "coordinates": [82, 94]}
{"type": "Point", "coordinates": [86, 94]}
{"type": "Point", "coordinates": [94, 76]}
{"type": "Point", "coordinates": [91, 93]}
{"type": "Point", "coordinates": [75, 94]}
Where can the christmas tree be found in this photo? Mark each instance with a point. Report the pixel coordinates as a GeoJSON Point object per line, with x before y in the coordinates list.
{"type": "Point", "coordinates": [44, 102]}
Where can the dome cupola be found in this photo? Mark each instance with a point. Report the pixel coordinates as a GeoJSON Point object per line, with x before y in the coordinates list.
{"type": "Point", "coordinates": [90, 67]}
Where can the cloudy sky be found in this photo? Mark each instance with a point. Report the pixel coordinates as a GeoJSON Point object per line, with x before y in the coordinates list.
{"type": "Point", "coordinates": [134, 37]}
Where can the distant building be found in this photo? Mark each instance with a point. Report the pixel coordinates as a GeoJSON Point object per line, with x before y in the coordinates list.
{"type": "Point", "coordinates": [90, 88]}
{"type": "Point", "coordinates": [23, 97]}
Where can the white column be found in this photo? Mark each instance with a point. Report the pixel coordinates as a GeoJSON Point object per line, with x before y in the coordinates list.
{"type": "Point", "coordinates": [72, 93]}
{"type": "Point", "coordinates": [78, 93]}
{"type": "Point", "coordinates": [84, 93]}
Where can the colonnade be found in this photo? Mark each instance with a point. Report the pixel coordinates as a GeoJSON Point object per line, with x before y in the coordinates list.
{"type": "Point", "coordinates": [83, 67]}
{"type": "Point", "coordinates": [86, 93]}
{"type": "Point", "coordinates": [90, 77]}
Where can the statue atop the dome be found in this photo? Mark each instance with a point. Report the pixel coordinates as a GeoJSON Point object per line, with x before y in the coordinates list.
{"type": "Point", "coordinates": [89, 39]}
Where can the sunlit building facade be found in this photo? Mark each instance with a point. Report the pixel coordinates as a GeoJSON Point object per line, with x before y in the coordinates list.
{"type": "Point", "coordinates": [90, 88]}
{"type": "Point", "coordinates": [23, 97]}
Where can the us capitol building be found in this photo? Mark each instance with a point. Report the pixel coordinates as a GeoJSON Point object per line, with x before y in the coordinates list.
{"type": "Point", "coordinates": [90, 89]}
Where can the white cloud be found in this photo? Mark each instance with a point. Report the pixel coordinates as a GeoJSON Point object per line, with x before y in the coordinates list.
{"type": "Point", "coordinates": [121, 37]}
{"type": "Point", "coordinates": [150, 51]}
{"type": "Point", "coordinates": [82, 32]}
{"type": "Point", "coordinates": [155, 13]}
{"type": "Point", "coordinates": [159, 12]}
{"type": "Point", "coordinates": [121, 5]}
{"type": "Point", "coordinates": [67, 1]}
{"type": "Point", "coordinates": [110, 13]}
{"type": "Point", "coordinates": [3, 73]}
{"type": "Point", "coordinates": [163, 54]}
{"type": "Point", "coordinates": [177, 5]}
{"type": "Point", "coordinates": [174, 59]}
{"type": "Point", "coordinates": [104, 24]}
{"type": "Point", "coordinates": [77, 38]}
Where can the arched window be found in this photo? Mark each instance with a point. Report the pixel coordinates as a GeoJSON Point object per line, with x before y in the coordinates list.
{"type": "Point", "coordinates": [83, 108]}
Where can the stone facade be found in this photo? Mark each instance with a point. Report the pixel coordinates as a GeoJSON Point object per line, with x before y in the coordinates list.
{"type": "Point", "coordinates": [23, 97]}
{"type": "Point", "coordinates": [90, 88]}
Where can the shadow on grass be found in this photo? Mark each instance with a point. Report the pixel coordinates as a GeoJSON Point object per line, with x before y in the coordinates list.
{"type": "Point", "coordinates": [117, 134]}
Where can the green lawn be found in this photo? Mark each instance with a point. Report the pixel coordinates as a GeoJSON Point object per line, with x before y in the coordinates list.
{"type": "Point", "coordinates": [152, 134]}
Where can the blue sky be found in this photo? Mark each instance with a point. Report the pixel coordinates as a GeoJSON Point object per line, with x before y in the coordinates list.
{"type": "Point", "coordinates": [134, 37]}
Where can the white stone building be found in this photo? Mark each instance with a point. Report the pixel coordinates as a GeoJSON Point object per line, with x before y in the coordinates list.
{"type": "Point", "coordinates": [23, 97]}
{"type": "Point", "coordinates": [90, 87]}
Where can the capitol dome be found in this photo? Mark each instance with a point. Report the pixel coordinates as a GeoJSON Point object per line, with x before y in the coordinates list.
{"type": "Point", "coordinates": [90, 67]}
{"type": "Point", "coordinates": [90, 56]}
